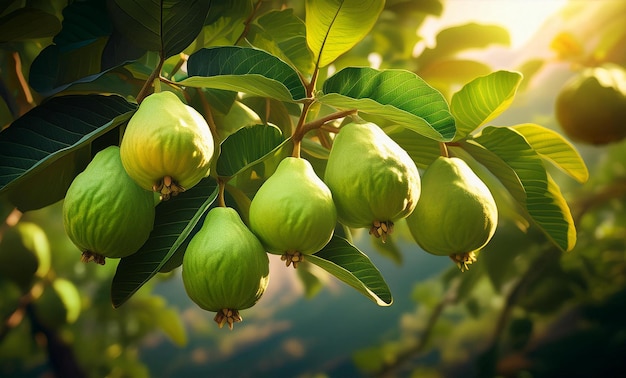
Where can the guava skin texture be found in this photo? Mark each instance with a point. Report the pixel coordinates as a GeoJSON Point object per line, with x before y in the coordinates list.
{"type": "Point", "coordinates": [456, 214]}
{"type": "Point", "coordinates": [591, 107]}
{"type": "Point", "coordinates": [105, 213]}
{"type": "Point", "coordinates": [24, 254]}
{"type": "Point", "coordinates": [293, 213]}
{"type": "Point", "coordinates": [374, 182]}
{"type": "Point", "coordinates": [167, 146]}
{"type": "Point", "coordinates": [225, 267]}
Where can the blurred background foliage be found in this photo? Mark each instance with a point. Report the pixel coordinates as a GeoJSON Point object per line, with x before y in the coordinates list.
{"type": "Point", "coordinates": [525, 310]}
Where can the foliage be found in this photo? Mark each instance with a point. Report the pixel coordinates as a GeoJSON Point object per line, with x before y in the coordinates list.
{"type": "Point", "coordinates": [274, 82]}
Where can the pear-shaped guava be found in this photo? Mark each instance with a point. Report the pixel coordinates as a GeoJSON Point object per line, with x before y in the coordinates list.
{"type": "Point", "coordinates": [225, 267]}
{"type": "Point", "coordinates": [167, 146]}
{"type": "Point", "coordinates": [24, 254]}
{"type": "Point", "coordinates": [105, 213]}
{"type": "Point", "coordinates": [58, 304]}
{"type": "Point", "coordinates": [456, 214]}
{"type": "Point", "coordinates": [374, 181]}
{"type": "Point", "coordinates": [293, 212]}
{"type": "Point", "coordinates": [591, 107]}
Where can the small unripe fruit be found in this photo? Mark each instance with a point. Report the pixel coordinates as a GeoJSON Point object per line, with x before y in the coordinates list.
{"type": "Point", "coordinates": [105, 213]}
{"type": "Point", "coordinates": [374, 181]}
{"type": "Point", "coordinates": [456, 214]}
{"type": "Point", "coordinates": [591, 107]}
{"type": "Point", "coordinates": [24, 254]}
{"type": "Point", "coordinates": [167, 146]}
{"type": "Point", "coordinates": [225, 267]}
{"type": "Point", "coordinates": [293, 212]}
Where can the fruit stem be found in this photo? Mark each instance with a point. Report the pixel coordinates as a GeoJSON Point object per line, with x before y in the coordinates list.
{"type": "Point", "coordinates": [145, 90]}
{"type": "Point", "coordinates": [220, 196]}
{"type": "Point", "coordinates": [443, 148]}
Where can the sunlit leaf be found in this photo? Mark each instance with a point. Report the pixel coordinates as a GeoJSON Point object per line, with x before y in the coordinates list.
{"type": "Point", "coordinates": [174, 224]}
{"type": "Point", "coordinates": [28, 23]}
{"type": "Point", "coordinates": [422, 150]}
{"type": "Point", "coordinates": [335, 26]}
{"type": "Point", "coordinates": [344, 261]}
{"type": "Point", "coordinates": [555, 148]}
{"type": "Point", "coordinates": [42, 151]}
{"type": "Point", "coordinates": [483, 99]}
{"type": "Point", "coordinates": [398, 95]}
{"type": "Point", "coordinates": [166, 26]}
{"type": "Point", "coordinates": [544, 201]}
{"type": "Point", "coordinates": [283, 34]}
{"type": "Point", "coordinates": [246, 146]}
{"type": "Point", "coordinates": [244, 69]}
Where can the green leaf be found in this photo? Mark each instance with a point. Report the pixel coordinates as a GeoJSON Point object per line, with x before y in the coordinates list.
{"type": "Point", "coordinates": [398, 95]}
{"type": "Point", "coordinates": [28, 23]}
{"type": "Point", "coordinates": [85, 48]}
{"type": "Point", "coordinates": [553, 147]}
{"type": "Point", "coordinates": [245, 147]}
{"type": "Point", "coordinates": [335, 26]}
{"type": "Point", "coordinates": [167, 26]}
{"type": "Point", "coordinates": [422, 150]}
{"type": "Point", "coordinates": [283, 34]}
{"type": "Point", "coordinates": [176, 221]}
{"type": "Point", "coordinates": [456, 39]}
{"type": "Point", "coordinates": [544, 201]}
{"type": "Point", "coordinates": [42, 151]}
{"type": "Point", "coordinates": [244, 69]}
{"type": "Point", "coordinates": [343, 260]}
{"type": "Point", "coordinates": [483, 99]}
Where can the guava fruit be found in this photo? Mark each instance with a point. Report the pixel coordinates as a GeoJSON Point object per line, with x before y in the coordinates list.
{"type": "Point", "coordinates": [591, 107]}
{"type": "Point", "coordinates": [456, 214]}
{"type": "Point", "coordinates": [293, 213]}
{"type": "Point", "coordinates": [58, 304]}
{"type": "Point", "coordinates": [225, 267]}
{"type": "Point", "coordinates": [24, 254]}
{"type": "Point", "coordinates": [167, 146]}
{"type": "Point", "coordinates": [373, 181]}
{"type": "Point", "coordinates": [105, 213]}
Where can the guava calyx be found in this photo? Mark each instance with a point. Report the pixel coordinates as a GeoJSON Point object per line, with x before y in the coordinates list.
{"type": "Point", "coordinates": [381, 229]}
{"type": "Point", "coordinates": [463, 260]}
{"type": "Point", "coordinates": [227, 315]}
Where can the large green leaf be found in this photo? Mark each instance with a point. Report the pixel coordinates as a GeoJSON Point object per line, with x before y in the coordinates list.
{"type": "Point", "coordinates": [85, 48]}
{"type": "Point", "coordinates": [28, 23]}
{"type": "Point", "coordinates": [244, 69]}
{"type": "Point", "coordinates": [335, 26]}
{"type": "Point", "coordinates": [42, 151]}
{"type": "Point", "coordinates": [176, 221]}
{"type": "Point", "coordinates": [552, 146]}
{"type": "Point", "coordinates": [483, 99]}
{"type": "Point", "coordinates": [283, 34]}
{"type": "Point", "coordinates": [398, 95]}
{"type": "Point", "coordinates": [344, 261]}
{"type": "Point", "coordinates": [247, 146]}
{"type": "Point", "coordinates": [544, 201]}
{"type": "Point", "coordinates": [167, 26]}
{"type": "Point", "coordinates": [455, 39]}
{"type": "Point", "coordinates": [422, 150]}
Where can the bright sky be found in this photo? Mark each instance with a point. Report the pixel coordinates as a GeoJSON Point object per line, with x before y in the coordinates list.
{"type": "Point", "coordinates": [521, 17]}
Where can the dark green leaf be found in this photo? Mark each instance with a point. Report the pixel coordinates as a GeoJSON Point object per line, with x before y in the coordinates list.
{"type": "Point", "coordinates": [344, 261]}
{"type": "Point", "coordinates": [246, 146]}
{"type": "Point", "coordinates": [47, 147]}
{"type": "Point", "coordinates": [400, 96]}
{"type": "Point", "coordinates": [28, 23]}
{"type": "Point", "coordinates": [85, 48]}
{"type": "Point", "coordinates": [167, 26]}
{"type": "Point", "coordinates": [244, 69]}
{"type": "Point", "coordinates": [174, 225]}
{"type": "Point", "coordinates": [544, 201]}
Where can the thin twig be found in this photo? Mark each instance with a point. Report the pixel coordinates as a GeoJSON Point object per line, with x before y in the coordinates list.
{"type": "Point", "coordinates": [145, 90]}
{"type": "Point", "coordinates": [248, 21]}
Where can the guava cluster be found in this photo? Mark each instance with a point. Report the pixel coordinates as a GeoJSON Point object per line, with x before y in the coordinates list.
{"type": "Point", "coordinates": [369, 182]}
